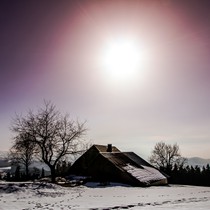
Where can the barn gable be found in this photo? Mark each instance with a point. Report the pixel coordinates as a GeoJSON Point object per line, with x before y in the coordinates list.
{"type": "Point", "coordinates": [116, 166]}
{"type": "Point", "coordinates": [103, 148]}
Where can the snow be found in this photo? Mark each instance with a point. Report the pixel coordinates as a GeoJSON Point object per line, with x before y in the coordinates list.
{"type": "Point", "coordinates": [145, 174]}
{"type": "Point", "coordinates": [28, 196]}
{"type": "Point", "coordinates": [39, 165]}
{"type": "Point", "coordinates": [5, 168]}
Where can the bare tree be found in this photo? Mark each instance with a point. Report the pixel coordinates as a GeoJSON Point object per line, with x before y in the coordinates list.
{"type": "Point", "coordinates": [22, 151]}
{"type": "Point", "coordinates": [54, 135]}
{"type": "Point", "coordinates": [165, 156]}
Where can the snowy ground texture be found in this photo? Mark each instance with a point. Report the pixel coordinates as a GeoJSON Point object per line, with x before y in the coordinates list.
{"type": "Point", "coordinates": [30, 196]}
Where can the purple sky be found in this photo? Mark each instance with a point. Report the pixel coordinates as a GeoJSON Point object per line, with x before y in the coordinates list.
{"type": "Point", "coordinates": [49, 50]}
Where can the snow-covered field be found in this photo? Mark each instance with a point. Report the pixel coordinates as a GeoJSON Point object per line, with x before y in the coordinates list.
{"type": "Point", "coordinates": [48, 196]}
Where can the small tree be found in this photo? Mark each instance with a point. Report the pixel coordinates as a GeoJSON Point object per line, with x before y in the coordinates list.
{"type": "Point", "coordinates": [53, 134]}
{"type": "Point", "coordinates": [22, 151]}
{"type": "Point", "coordinates": [165, 156]}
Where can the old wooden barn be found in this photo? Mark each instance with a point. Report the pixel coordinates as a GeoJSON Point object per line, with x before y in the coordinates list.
{"type": "Point", "coordinates": [109, 164]}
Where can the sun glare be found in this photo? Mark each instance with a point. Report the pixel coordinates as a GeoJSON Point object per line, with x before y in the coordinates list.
{"type": "Point", "coordinates": [122, 60]}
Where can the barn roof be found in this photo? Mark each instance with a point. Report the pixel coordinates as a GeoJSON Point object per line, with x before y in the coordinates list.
{"type": "Point", "coordinates": [103, 148]}
{"type": "Point", "coordinates": [132, 164]}
{"type": "Point", "coordinates": [119, 159]}
{"type": "Point", "coordinates": [138, 160]}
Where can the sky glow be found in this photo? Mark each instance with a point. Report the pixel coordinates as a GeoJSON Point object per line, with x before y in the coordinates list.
{"type": "Point", "coordinates": [137, 70]}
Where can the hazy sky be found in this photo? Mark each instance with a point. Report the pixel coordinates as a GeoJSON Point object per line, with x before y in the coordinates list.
{"type": "Point", "coordinates": [53, 49]}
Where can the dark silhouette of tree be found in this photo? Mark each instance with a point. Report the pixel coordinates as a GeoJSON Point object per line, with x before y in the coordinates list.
{"type": "Point", "coordinates": [43, 174]}
{"type": "Point", "coordinates": [17, 173]}
{"type": "Point", "coordinates": [190, 175]}
{"type": "Point", "coordinates": [206, 175]}
{"type": "Point", "coordinates": [22, 151]}
{"type": "Point", "coordinates": [54, 135]}
{"type": "Point", "coordinates": [165, 156]}
{"type": "Point", "coordinates": [63, 167]}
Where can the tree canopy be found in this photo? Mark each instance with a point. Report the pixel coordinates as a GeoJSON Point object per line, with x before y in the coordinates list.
{"type": "Point", "coordinates": [53, 134]}
{"type": "Point", "coordinates": [165, 156]}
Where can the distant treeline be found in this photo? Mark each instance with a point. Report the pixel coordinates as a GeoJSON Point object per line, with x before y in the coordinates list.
{"type": "Point", "coordinates": [62, 169]}
{"type": "Point", "coordinates": [189, 175]}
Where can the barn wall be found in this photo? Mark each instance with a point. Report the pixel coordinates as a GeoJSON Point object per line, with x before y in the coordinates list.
{"type": "Point", "coordinates": [82, 164]}
{"type": "Point", "coordinates": [160, 182]}
{"type": "Point", "coordinates": [103, 170]}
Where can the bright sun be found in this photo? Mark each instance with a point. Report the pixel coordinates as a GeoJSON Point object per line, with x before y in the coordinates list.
{"type": "Point", "coordinates": [122, 60]}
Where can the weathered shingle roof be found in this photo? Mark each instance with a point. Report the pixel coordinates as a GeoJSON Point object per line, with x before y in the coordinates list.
{"type": "Point", "coordinates": [138, 160]}
{"type": "Point", "coordinates": [146, 174]}
{"type": "Point", "coordinates": [119, 159]}
{"type": "Point", "coordinates": [132, 164]}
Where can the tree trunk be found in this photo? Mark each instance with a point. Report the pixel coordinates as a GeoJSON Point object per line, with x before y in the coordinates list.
{"type": "Point", "coordinates": [53, 175]}
{"type": "Point", "coordinates": [27, 171]}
